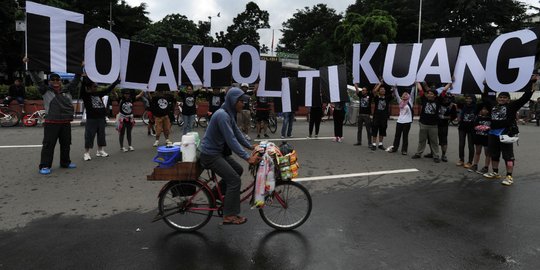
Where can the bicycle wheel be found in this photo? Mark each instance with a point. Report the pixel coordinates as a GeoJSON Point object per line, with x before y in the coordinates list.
{"type": "Point", "coordinates": [288, 207]}
{"type": "Point", "coordinates": [145, 118]}
{"type": "Point", "coordinates": [272, 123]}
{"type": "Point", "coordinates": [203, 121]}
{"type": "Point", "coordinates": [185, 206]}
{"type": "Point", "coordinates": [9, 118]}
{"type": "Point", "coordinates": [179, 120]}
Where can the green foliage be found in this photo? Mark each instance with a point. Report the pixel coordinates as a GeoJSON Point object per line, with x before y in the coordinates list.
{"type": "Point", "coordinates": [173, 29]}
{"type": "Point", "coordinates": [309, 33]}
{"type": "Point", "coordinates": [244, 27]}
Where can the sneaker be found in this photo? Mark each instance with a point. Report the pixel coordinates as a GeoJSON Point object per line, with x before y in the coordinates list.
{"type": "Point", "coordinates": [483, 170]}
{"type": "Point", "coordinates": [290, 136]}
{"type": "Point", "coordinates": [492, 175]}
{"type": "Point", "coordinates": [467, 165]}
{"type": "Point", "coordinates": [45, 170]}
{"type": "Point", "coordinates": [101, 153]}
{"type": "Point", "coordinates": [340, 139]}
{"type": "Point", "coordinates": [334, 139]}
{"type": "Point", "coordinates": [416, 156]}
{"type": "Point", "coordinates": [508, 181]}
{"type": "Point", "coordinates": [404, 153]}
{"type": "Point", "coordinates": [444, 159]}
{"type": "Point", "coordinates": [373, 147]}
{"type": "Point", "coordinates": [381, 147]}
{"type": "Point", "coordinates": [71, 166]}
{"type": "Point", "coordinates": [156, 143]}
{"type": "Point", "coordinates": [459, 163]}
{"type": "Point", "coordinates": [316, 135]}
{"type": "Point", "coordinates": [124, 149]}
{"type": "Point", "coordinates": [473, 168]}
{"type": "Point", "coordinates": [436, 160]}
{"type": "Point", "coordinates": [87, 157]}
{"type": "Point", "coordinates": [283, 137]}
{"type": "Point", "coordinates": [266, 135]}
{"type": "Point", "coordinates": [430, 155]}
{"type": "Point", "coordinates": [357, 144]}
{"type": "Point", "coordinates": [308, 137]}
{"type": "Point", "coordinates": [131, 148]}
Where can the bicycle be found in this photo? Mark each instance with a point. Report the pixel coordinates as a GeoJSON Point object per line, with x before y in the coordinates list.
{"type": "Point", "coordinates": [272, 121]}
{"type": "Point", "coordinates": [187, 205]}
{"type": "Point", "coordinates": [8, 117]}
{"type": "Point", "coordinates": [35, 118]}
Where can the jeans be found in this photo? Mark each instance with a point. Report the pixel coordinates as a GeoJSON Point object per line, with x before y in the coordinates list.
{"type": "Point", "coordinates": [51, 134]}
{"type": "Point", "coordinates": [189, 120]}
{"type": "Point", "coordinates": [286, 129]}
{"type": "Point", "coordinates": [364, 119]}
{"type": "Point", "coordinates": [463, 134]}
{"type": "Point", "coordinates": [402, 128]}
{"type": "Point", "coordinates": [230, 171]}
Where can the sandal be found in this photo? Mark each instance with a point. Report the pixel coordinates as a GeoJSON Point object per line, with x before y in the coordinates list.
{"type": "Point", "coordinates": [234, 220]}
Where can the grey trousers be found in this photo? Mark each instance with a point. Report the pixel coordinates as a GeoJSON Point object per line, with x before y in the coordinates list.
{"type": "Point", "coordinates": [230, 171]}
{"type": "Point", "coordinates": [431, 132]}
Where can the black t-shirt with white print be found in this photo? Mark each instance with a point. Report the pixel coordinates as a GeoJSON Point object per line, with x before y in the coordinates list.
{"type": "Point", "coordinates": [430, 111]}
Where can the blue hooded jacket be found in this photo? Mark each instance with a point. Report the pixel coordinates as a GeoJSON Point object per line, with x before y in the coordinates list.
{"type": "Point", "coordinates": [222, 130]}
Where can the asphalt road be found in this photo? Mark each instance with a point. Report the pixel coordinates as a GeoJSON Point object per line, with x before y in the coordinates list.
{"type": "Point", "coordinates": [98, 215]}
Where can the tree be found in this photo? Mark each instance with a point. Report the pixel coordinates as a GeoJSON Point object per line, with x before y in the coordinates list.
{"type": "Point", "coordinates": [244, 27]}
{"type": "Point", "coordinates": [476, 21]}
{"type": "Point", "coordinates": [309, 33]}
{"type": "Point", "coordinates": [173, 29]}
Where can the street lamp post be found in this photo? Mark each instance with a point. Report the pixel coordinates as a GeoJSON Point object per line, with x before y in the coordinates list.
{"type": "Point", "coordinates": [419, 21]}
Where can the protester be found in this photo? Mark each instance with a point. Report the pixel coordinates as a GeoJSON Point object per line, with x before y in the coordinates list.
{"type": "Point", "coordinates": [150, 128]}
{"type": "Point", "coordinates": [404, 121]}
{"type": "Point", "coordinates": [504, 125]}
{"type": "Point", "coordinates": [466, 130]}
{"type": "Point", "coordinates": [480, 138]}
{"type": "Point", "coordinates": [59, 109]}
{"type": "Point", "coordinates": [447, 112]}
{"type": "Point", "coordinates": [223, 137]}
{"type": "Point", "coordinates": [536, 109]}
{"type": "Point", "coordinates": [124, 119]}
{"type": "Point", "coordinates": [315, 117]}
{"type": "Point", "coordinates": [215, 99]}
{"type": "Point", "coordinates": [364, 115]}
{"type": "Point", "coordinates": [244, 117]}
{"type": "Point", "coordinates": [160, 105]}
{"type": "Point", "coordinates": [381, 99]}
{"type": "Point", "coordinates": [16, 92]}
{"type": "Point", "coordinates": [189, 108]}
{"type": "Point", "coordinates": [262, 114]}
{"type": "Point", "coordinates": [286, 129]}
{"type": "Point", "coordinates": [428, 123]}
{"type": "Point", "coordinates": [338, 115]}
{"type": "Point", "coordinates": [95, 117]}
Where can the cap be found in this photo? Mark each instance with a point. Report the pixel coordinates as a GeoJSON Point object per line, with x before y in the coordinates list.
{"type": "Point", "coordinates": [53, 75]}
{"type": "Point", "coordinates": [244, 85]}
{"type": "Point", "coordinates": [504, 94]}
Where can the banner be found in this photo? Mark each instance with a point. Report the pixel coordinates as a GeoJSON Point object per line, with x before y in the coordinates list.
{"type": "Point", "coordinates": [334, 83]}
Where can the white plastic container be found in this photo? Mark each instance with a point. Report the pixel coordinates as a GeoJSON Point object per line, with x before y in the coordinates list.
{"type": "Point", "coordinates": [196, 135]}
{"type": "Point", "coordinates": [189, 149]}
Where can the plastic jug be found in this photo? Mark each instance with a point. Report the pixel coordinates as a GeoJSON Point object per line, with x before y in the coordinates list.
{"type": "Point", "coordinates": [189, 149]}
{"type": "Point", "coordinates": [197, 138]}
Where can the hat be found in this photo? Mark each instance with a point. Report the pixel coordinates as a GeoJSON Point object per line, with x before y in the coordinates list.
{"type": "Point", "coordinates": [504, 94]}
{"type": "Point", "coordinates": [54, 75]}
{"type": "Point", "coordinates": [244, 85]}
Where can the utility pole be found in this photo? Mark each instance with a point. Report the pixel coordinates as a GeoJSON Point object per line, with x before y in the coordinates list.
{"type": "Point", "coordinates": [110, 21]}
{"type": "Point", "coordinates": [419, 21]}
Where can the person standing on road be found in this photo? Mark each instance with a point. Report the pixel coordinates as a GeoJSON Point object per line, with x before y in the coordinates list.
{"type": "Point", "coordinates": [536, 109]}
{"type": "Point", "coordinates": [160, 105]}
{"type": "Point", "coordinates": [16, 92]}
{"type": "Point", "coordinates": [428, 123]}
{"type": "Point", "coordinates": [315, 117]}
{"type": "Point", "coordinates": [480, 138]}
{"type": "Point", "coordinates": [59, 109]}
{"type": "Point", "coordinates": [447, 111]}
{"type": "Point", "coordinates": [215, 99]}
{"type": "Point", "coordinates": [381, 99]}
{"type": "Point", "coordinates": [125, 120]}
{"type": "Point", "coordinates": [189, 108]}
{"type": "Point", "coordinates": [404, 121]}
{"type": "Point", "coordinates": [96, 112]}
{"type": "Point", "coordinates": [466, 130]}
{"type": "Point", "coordinates": [286, 129]}
{"type": "Point", "coordinates": [364, 114]}
{"type": "Point", "coordinates": [503, 128]}
{"type": "Point", "coordinates": [223, 137]}
{"type": "Point", "coordinates": [339, 116]}
{"type": "Point", "coordinates": [244, 117]}
{"type": "Point", "coordinates": [262, 114]}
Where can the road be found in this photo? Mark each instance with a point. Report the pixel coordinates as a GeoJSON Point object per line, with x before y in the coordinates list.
{"type": "Point", "coordinates": [434, 216]}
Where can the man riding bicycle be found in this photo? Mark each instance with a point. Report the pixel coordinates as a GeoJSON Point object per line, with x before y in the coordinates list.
{"type": "Point", "coordinates": [223, 137]}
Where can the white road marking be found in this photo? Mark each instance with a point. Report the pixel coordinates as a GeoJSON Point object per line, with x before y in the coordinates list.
{"type": "Point", "coordinates": [21, 146]}
{"type": "Point", "coordinates": [316, 178]}
{"type": "Point", "coordinates": [294, 139]}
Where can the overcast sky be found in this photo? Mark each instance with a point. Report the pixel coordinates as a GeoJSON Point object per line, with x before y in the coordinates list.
{"type": "Point", "coordinates": [279, 10]}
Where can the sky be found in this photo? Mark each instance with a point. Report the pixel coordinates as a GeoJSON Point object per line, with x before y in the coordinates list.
{"type": "Point", "coordinates": [279, 10]}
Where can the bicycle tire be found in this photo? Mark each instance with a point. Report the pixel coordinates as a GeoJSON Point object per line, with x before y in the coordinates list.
{"type": "Point", "coordinates": [145, 118]}
{"type": "Point", "coordinates": [179, 120]}
{"type": "Point", "coordinates": [272, 123]}
{"type": "Point", "coordinates": [176, 206]}
{"type": "Point", "coordinates": [203, 121]}
{"type": "Point", "coordinates": [296, 211]}
{"type": "Point", "coordinates": [29, 121]}
{"type": "Point", "coordinates": [9, 118]}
